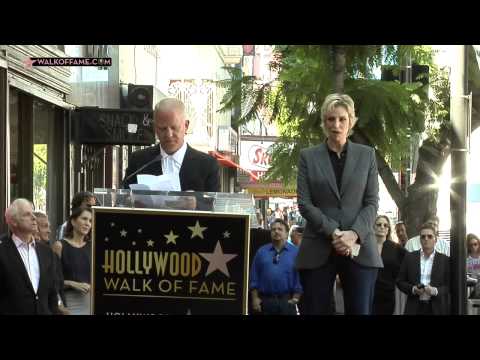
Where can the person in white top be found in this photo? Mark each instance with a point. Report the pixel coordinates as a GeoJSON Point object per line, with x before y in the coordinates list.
{"type": "Point", "coordinates": [441, 245]}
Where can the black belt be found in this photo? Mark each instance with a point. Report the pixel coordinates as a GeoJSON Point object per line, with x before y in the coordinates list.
{"type": "Point", "coordinates": [276, 296]}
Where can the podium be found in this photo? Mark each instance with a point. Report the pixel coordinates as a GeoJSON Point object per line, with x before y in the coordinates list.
{"type": "Point", "coordinates": [178, 253]}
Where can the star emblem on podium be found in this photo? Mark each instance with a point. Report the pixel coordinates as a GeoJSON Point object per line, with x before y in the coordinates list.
{"type": "Point", "coordinates": [171, 237]}
{"type": "Point", "coordinates": [197, 230]}
{"type": "Point", "coordinates": [217, 260]}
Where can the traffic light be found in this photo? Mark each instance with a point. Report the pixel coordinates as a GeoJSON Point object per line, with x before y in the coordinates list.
{"type": "Point", "coordinates": [419, 73]}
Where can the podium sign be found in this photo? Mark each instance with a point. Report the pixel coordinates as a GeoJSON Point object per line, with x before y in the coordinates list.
{"type": "Point", "coordinates": [163, 262]}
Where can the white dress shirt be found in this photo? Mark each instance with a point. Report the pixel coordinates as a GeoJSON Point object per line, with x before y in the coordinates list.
{"type": "Point", "coordinates": [30, 260]}
{"type": "Point", "coordinates": [171, 164]}
{"type": "Point", "coordinates": [426, 264]}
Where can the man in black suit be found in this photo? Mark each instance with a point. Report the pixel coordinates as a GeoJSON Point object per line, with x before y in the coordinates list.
{"type": "Point", "coordinates": [27, 270]}
{"type": "Point", "coordinates": [197, 171]}
{"type": "Point", "coordinates": [425, 277]}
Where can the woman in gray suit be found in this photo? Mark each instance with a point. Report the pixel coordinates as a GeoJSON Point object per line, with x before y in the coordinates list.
{"type": "Point", "coordinates": [337, 190]}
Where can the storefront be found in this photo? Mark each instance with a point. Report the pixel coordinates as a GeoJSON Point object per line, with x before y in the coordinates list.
{"type": "Point", "coordinates": [34, 131]}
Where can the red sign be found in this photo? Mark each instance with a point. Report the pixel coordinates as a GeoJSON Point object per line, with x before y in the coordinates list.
{"type": "Point", "coordinates": [258, 157]}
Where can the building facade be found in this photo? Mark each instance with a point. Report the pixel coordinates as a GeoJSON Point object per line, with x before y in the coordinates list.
{"type": "Point", "coordinates": [45, 163]}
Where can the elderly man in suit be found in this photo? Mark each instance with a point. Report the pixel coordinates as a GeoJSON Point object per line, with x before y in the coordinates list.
{"type": "Point", "coordinates": [425, 277]}
{"type": "Point", "coordinates": [27, 269]}
{"type": "Point", "coordinates": [337, 189]}
{"type": "Point", "coordinates": [197, 171]}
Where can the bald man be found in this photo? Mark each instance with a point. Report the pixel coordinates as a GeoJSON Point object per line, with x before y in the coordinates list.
{"type": "Point", "coordinates": [197, 171]}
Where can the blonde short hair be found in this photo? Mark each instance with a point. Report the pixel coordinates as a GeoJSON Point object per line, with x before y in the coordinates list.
{"type": "Point", "coordinates": [170, 104]}
{"type": "Point", "coordinates": [335, 100]}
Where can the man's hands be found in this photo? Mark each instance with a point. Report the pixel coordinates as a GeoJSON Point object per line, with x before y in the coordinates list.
{"type": "Point", "coordinates": [426, 290]}
{"type": "Point", "coordinates": [430, 290]}
{"type": "Point", "coordinates": [418, 291]}
{"type": "Point", "coordinates": [63, 310]}
{"type": "Point", "coordinates": [82, 287]}
{"type": "Point", "coordinates": [343, 241]}
{"type": "Point", "coordinates": [256, 304]}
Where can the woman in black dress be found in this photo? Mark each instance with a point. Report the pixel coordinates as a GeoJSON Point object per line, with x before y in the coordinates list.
{"type": "Point", "coordinates": [392, 255]}
{"type": "Point", "coordinates": [75, 252]}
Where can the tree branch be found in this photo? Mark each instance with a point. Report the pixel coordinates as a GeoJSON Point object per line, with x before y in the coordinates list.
{"type": "Point", "coordinates": [384, 170]}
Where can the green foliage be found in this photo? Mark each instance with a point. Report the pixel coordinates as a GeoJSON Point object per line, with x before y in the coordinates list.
{"type": "Point", "coordinates": [389, 112]}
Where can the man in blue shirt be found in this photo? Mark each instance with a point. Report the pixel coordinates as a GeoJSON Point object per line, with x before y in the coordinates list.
{"type": "Point", "coordinates": [274, 281]}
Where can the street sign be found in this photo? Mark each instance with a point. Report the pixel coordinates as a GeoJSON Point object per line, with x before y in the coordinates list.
{"type": "Point", "coordinates": [112, 126]}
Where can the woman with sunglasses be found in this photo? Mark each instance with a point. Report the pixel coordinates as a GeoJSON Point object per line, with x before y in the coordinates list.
{"type": "Point", "coordinates": [392, 255]}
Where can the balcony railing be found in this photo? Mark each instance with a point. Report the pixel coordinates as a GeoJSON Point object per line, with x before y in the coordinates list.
{"type": "Point", "coordinates": [227, 140]}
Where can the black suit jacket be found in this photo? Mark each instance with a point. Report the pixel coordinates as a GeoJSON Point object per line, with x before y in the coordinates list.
{"type": "Point", "coordinates": [199, 171]}
{"type": "Point", "coordinates": [16, 292]}
{"type": "Point", "coordinates": [409, 276]}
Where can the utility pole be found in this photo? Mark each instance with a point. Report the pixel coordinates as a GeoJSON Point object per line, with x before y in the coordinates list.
{"type": "Point", "coordinates": [409, 161]}
{"type": "Point", "coordinates": [459, 117]}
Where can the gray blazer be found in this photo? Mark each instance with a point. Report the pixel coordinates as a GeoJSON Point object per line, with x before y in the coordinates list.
{"type": "Point", "coordinates": [325, 207]}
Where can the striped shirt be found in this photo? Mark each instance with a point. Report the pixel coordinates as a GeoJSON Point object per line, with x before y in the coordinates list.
{"type": "Point", "coordinates": [30, 260]}
{"type": "Point", "coordinates": [441, 246]}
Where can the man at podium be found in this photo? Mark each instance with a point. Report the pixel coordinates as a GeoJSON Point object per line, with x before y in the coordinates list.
{"type": "Point", "coordinates": [196, 170]}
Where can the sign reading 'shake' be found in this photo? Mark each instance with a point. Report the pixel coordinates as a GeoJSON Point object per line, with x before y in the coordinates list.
{"type": "Point", "coordinates": [156, 262]}
{"type": "Point", "coordinates": [113, 126]}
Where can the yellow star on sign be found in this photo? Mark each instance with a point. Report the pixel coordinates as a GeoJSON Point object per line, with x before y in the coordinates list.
{"type": "Point", "coordinates": [171, 237]}
{"type": "Point", "coordinates": [150, 242]}
{"type": "Point", "coordinates": [197, 230]}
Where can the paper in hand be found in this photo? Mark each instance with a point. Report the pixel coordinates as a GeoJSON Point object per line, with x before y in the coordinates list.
{"type": "Point", "coordinates": [355, 250]}
{"type": "Point", "coordinates": [167, 182]}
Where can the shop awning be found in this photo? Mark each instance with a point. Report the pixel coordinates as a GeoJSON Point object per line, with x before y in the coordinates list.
{"type": "Point", "coordinates": [222, 159]}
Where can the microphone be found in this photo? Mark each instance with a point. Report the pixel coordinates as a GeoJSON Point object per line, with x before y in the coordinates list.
{"type": "Point", "coordinates": [155, 159]}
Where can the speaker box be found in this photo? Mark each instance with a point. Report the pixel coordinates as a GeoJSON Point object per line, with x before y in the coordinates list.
{"type": "Point", "coordinates": [134, 96]}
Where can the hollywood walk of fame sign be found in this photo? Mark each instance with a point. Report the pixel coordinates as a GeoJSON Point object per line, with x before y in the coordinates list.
{"type": "Point", "coordinates": [169, 262]}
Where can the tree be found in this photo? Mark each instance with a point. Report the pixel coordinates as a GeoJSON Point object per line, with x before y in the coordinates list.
{"type": "Point", "coordinates": [390, 113]}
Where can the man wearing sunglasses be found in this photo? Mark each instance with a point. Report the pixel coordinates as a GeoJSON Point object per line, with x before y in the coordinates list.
{"type": "Point", "coordinates": [425, 277]}
{"type": "Point", "coordinates": [274, 281]}
{"type": "Point", "coordinates": [441, 246]}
